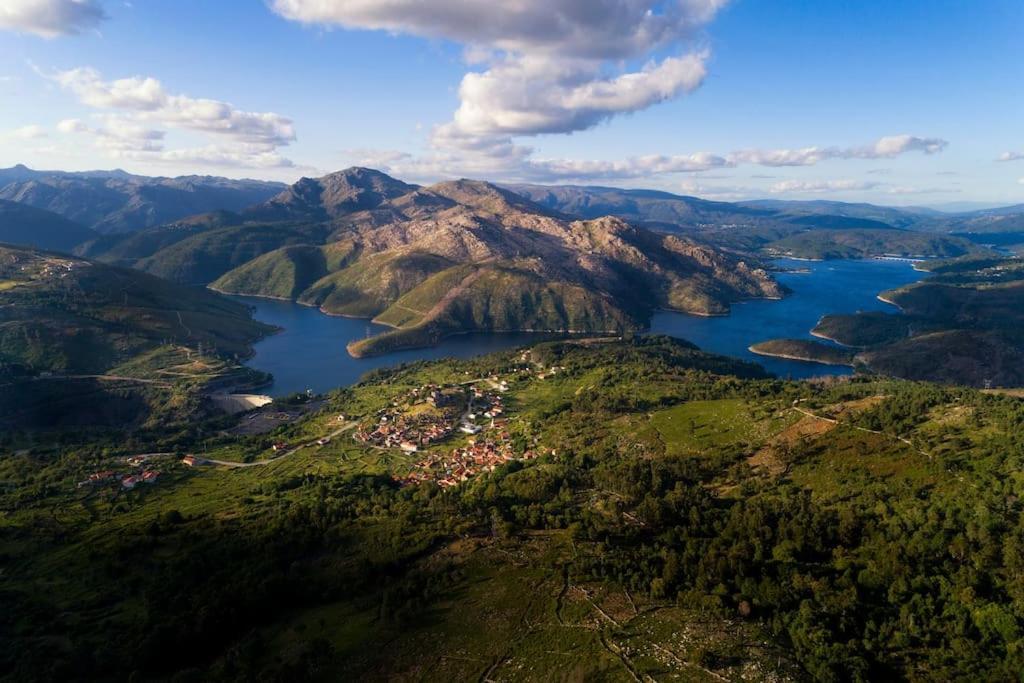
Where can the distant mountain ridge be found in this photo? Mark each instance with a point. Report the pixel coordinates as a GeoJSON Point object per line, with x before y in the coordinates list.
{"type": "Point", "coordinates": [641, 206]}
{"type": "Point", "coordinates": [431, 261]}
{"type": "Point", "coordinates": [116, 201]}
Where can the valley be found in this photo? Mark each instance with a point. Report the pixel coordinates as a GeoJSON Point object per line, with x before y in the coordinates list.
{"type": "Point", "coordinates": [444, 341]}
{"type": "Point", "coordinates": [628, 483]}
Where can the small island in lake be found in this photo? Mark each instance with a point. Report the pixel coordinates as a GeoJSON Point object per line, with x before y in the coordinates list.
{"type": "Point", "coordinates": [805, 350]}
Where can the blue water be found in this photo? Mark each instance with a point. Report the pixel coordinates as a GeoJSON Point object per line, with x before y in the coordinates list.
{"type": "Point", "coordinates": [828, 287]}
{"type": "Point", "coordinates": [310, 352]}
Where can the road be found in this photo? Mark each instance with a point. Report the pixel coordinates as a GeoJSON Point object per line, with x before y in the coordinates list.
{"type": "Point", "coordinates": [259, 463]}
{"type": "Point", "coordinates": [901, 439]}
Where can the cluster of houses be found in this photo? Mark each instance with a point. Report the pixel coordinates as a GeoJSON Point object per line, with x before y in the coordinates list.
{"type": "Point", "coordinates": [530, 367]}
{"type": "Point", "coordinates": [126, 481]}
{"type": "Point", "coordinates": [482, 405]}
{"type": "Point", "coordinates": [407, 433]}
{"type": "Point", "coordinates": [404, 427]}
{"type": "Point", "coordinates": [461, 464]}
{"type": "Point", "coordinates": [147, 477]}
{"type": "Point", "coordinates": [484, 410]}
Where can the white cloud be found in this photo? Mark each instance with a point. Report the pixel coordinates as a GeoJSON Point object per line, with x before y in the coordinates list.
{"type": "Point", "coordinates": [728, 193]}
{"type": "Point", "coordinates": [516, 163]}
{"type": "Point", "coordinates": [500, 157]}
{"type": "Point", "coordinates": [72, 126]}
{"type": "Point", "coordinates": [894, 145]}
{"type": "Point", "coordinates": [1011, 156]}
{"type": "Point", "coordinates": [147, 99]}
{"type": "Point", "coordinates": [884, 148]}
{"type": "Point", "coordinates": [538, 95]}
{"type": "Point", "coordinates": [50, 18]}
{"type": "Point", "coordinates": [1020, 181]}
{"type": "Point", "coordinates": [31, 132]}
{"type": "Point", "coordinates": [138, 111]}
{"type": "Point", "coordinates": [820, 186]}
{"type": "Point", "coordinates": [212, 155]}
{"type": "Point", "coordinates": [591, 29]}
{"type": "Point", "coordinates": [117, 136]}
{"type": "Point", "coordinates": [633, 167]}
{"type": "Point", "coordinates": [548, 66]}
{"type": "Point", "coordinates": [904, 190]}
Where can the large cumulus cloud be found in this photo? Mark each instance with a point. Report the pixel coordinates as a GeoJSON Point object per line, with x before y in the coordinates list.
{"type": "Point", "coordinates": [50, 18]}
{"type": "Point", "coordinates": [134, 114]}
{"type": "Point", "coordinates": [548, 66]}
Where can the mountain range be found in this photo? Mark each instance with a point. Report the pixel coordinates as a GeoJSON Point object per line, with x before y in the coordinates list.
{"type": "Point", "coordinates": [116, 201]}
{"type": "Point", "coordinates": [462, 255]}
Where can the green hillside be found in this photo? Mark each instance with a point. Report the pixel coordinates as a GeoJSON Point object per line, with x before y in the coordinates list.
{"type": "Point", "coordinates": [202, 258]}
{"type": "Point", "coordinates": [371, 284]}
{"type": "Point", "coordinates": [69, 315]}
{"type": "Point", "coordinates": [804, 349]}
{"type": "Point", "coordinates": [665, 515]}
{"type": "Point", "coordinates": [865, 329]}
{"type": "Point", "coordinates": [865, 243]}
{"type": "Point", "coordinates": [493, 297]}
{"type": "Point", "coordinates": [282, 274]}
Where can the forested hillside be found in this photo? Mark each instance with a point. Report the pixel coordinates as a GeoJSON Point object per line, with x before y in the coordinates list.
{"type": "Point", "coordinates": [658, 513]}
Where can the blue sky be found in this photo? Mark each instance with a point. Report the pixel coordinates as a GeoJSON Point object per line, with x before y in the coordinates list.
{"type": "Point", "coordinates": [909, 102]}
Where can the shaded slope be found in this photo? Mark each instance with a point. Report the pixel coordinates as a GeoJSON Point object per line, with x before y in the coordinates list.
{"type": "Point", "coordinates": [72, 315]}
{"type": "Point", "coordinates": [28, 226]}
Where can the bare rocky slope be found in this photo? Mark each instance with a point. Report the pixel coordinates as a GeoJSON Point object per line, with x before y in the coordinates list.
{"type": "Point", "coordinates": [467, 255]}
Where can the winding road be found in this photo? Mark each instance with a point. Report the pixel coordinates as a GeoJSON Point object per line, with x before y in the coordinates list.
{"type": "Point", "coordinates": [259, 463]}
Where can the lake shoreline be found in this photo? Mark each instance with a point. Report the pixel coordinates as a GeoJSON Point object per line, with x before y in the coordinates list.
{"type": "Point", "coordinates": [310, 351]}
{"type": "Point", "coordinates": [802, 359]}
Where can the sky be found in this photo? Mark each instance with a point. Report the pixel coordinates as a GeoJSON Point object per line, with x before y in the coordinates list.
{"type": "Point", "coordinates": [917, 102]}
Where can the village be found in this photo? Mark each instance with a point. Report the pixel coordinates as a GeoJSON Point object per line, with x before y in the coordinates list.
{"type": "Point", "coordinates": [428, 415]}
{"type": "Point", "coordinates": [420, 419]}
{"type": "Point", "coordinates": [461, 464]}
{"type": "Point", "coordinates": [143, 474]}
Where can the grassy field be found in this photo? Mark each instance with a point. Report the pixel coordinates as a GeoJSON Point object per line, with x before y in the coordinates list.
{"type": "Point", "coordinates": [694, 427]}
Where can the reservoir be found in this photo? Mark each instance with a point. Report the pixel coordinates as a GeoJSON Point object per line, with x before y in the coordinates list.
{"type": "Point", "coordinates": [823, 287]}
{"type": "Point", "coordinates": [310, 351]}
